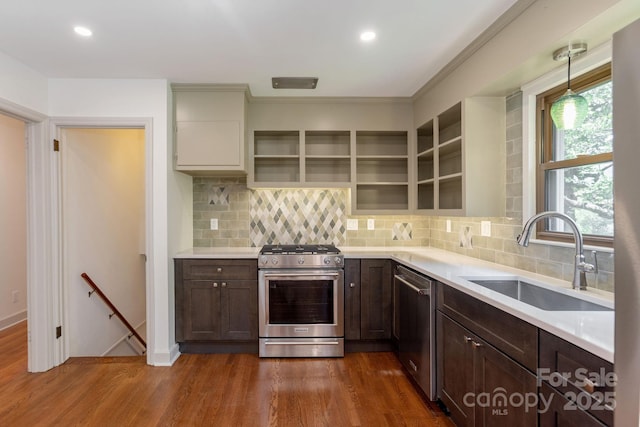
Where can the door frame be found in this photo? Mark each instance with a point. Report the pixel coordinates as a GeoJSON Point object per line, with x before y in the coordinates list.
{"type": "Point", "coordinates": [40, 339]}
{"type": "Point", "coordinates": [58, 297]}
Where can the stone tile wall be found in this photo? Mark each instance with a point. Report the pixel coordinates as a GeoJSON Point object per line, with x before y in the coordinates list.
{"type": "Point", "coordinates": [249, 217]}
{"type": "Point", "coordinates": [501, 248]}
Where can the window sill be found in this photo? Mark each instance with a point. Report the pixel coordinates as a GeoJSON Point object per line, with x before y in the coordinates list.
{"type": "Point", "coordinates": [571, 245]}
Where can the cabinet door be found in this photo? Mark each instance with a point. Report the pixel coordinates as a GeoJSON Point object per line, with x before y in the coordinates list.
{"type": "Point", "coordinates": [557, 411]}
{"type": "Point", "coordinates": [352, 299]}
{"type": "Point", "coordinates": [210, 128]}
{"type": "Point", "coordinates": [375, 299]}
{"type": "Point", "coordinates": [239, 310]}
{"type": "Point", "coordinates": [511, 388]}
{"type": "Point", "coordinates": [214, 143]}
{"type": "Point", "coordinates": [480, 385]}
{"type": "Point", "coordinates": [579, 374]}
{"type": "Point", "coordinates": [201, 313]}
{"type": "Point", "coordinates": [455, 368]}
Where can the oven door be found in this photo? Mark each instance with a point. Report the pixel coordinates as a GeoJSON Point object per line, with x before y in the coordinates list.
{"type": "Point", "coordinates": [301, 313]}
{"type": "Point", "coordinates": [301, 303]}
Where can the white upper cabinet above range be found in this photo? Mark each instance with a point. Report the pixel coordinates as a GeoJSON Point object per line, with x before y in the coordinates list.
{"type": "Point", "coordinates": [210, 128]}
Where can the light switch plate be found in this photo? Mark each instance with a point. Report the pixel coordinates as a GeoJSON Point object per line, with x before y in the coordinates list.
{"type": "Point", "coordinates": [352, 224]}
{"type": "Point", "coordinates": [485, 228]}
{"type": "Point", "coordinates": [214, 223]}
{"type": "Point", "coordinates": [448, 224]}
{"type": "Point", "coordinates": [371, 224]}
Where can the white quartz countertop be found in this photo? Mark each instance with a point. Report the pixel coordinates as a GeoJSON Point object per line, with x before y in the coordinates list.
{"type": "Point", "coordinates": [590, 330]}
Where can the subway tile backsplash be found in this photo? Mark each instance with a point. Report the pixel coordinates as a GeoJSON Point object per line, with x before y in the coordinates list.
{"type": "Point", "coordinates": [254, 217]}
{"type": "Point", "coordinates": [249, 217]}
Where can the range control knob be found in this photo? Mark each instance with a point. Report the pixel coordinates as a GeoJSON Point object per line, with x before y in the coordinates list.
{"type": "Point", "coordinates": [337, 260]}
{"type": "Point", "coordinates": [327, 260]}
{"type": "Point", "coordinates": [264, 260]}
{"type": "Point", "coordinates": [301, 260]}
{"type": "Point", "coordinates": [274, 261]}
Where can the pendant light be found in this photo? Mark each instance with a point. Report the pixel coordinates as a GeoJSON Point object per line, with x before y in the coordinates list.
{"type": "Point", "coordinates": [570, 110]}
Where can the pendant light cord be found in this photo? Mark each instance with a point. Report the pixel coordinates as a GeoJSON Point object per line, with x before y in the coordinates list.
{"type": "Point", "coordinates": [569, 72]}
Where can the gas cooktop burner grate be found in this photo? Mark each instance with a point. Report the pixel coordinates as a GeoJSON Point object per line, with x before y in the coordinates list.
{"type": "Point", "coordinates": [299, 249]}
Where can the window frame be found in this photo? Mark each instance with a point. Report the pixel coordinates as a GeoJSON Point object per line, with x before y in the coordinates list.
{"type": "Point", "coordinates": [544, 151]}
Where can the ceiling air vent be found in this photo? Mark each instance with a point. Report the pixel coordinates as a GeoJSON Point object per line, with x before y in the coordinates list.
{"type": "Point", "coordinates": [294, 82]}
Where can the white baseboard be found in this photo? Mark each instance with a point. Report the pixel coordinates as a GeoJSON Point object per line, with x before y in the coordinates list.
{"type": "Point", "coordinates": [165, 359]}
{"type": "Point", "coordinates": [14, 319]}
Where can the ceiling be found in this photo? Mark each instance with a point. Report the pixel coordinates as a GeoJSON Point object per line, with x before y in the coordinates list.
{"type": "Point", "coordinates": [249, 41]}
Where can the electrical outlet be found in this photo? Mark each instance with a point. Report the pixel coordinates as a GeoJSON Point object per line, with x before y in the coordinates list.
{"type": "Point", "coordinates": [371, 224]}
{"type": "Point", "coordinates": [352, 224]}
{"type": "Point", "coordinates": [448, 224]}
{"type": "Point", "coordinates": [214, 223]}
{"type": "Point", "coordinates": [485, 228]}
{"type": "Point", "coordinates": [14, 296]}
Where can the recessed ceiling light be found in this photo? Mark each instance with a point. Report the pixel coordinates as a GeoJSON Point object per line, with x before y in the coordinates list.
{"type": "Point", "coordinates": [367, 36]}
{"type": "Point", "coordinates": [82, 31]}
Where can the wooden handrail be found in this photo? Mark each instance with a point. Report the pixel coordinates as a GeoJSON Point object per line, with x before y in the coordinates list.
{"type": "Point", "coordinates": [113, 308]}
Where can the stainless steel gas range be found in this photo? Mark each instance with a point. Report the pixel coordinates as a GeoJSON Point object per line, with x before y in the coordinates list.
{"type": "Point", "coordinates": [301, 301]}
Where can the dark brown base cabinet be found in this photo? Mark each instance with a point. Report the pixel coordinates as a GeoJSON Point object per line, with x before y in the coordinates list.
{"type": "Point", "coordinates": [216, 302]}
{"type": "Point", "coordinates": [487, 366]}
{"type": "Point", "coordinates": [558, 411]}
{"type": "Point", "coordinates": [581, 380]}
{"type": "Point", "coordinates": [486, 362]}
{"type": "Point", "coordinates": [480, 385]}
{"type": "Point", "coordinates": [368, 300]}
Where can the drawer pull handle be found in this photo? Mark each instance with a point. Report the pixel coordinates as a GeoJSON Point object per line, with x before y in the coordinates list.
{"type": "Point", "coordinates": [219, 269]}
{"type": "Point", "coordinates": [477, 344]}
{"type": "Point", "coordinates": [352, 285]}
{"type": "Point", "coordinates": [468, 339]}
{"type": "Point", "coordinates": [215, 284]}
{"type": "Point", "coordinates": [224, 284]}
{"type": "Point", "coordinates": [589, 386]}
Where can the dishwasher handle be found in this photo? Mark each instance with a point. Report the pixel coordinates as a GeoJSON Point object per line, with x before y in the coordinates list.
{"type": "Point", "coordinates": [425, 291]}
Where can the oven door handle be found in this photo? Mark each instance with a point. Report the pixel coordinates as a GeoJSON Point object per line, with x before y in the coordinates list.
{"type": "Point", "coordinates": [302, 343]}
{"type": "Point", "coordinates": [289, 275]}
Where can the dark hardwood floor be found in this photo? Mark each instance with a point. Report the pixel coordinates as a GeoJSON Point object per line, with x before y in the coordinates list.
{"type": "Point", "coordinates": [362, 389]}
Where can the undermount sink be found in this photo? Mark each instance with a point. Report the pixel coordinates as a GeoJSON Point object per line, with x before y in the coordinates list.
{"type": "Point", "coordinates": [542, 298]}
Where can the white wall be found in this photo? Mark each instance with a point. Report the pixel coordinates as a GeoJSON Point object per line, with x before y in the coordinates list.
{"type": "Point", "coordinates": [22, 86]}
{"type": "Point", "coordinates": [103, 234]}
{"type": "Point", "coordinates": [180, 215]}
{"type": "Point", "coordinates": [13, 221]}
{"type": "Point", "coordinates": [131, 98]}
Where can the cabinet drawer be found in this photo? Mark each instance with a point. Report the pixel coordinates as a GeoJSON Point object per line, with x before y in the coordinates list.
{"type": "Point", "coordinates": [211, 269]}
{"type": "Point", "coordinates": [514, 337]}
{"type": "Point", "coordinates": [557, 411]}
{"type": "Point", "coordinates": [581, 376]}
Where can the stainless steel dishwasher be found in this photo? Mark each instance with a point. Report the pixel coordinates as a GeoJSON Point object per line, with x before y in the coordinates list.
{"type": "Point", "coordinates": [416, 340]}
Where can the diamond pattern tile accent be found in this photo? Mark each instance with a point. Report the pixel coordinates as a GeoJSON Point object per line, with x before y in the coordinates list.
{"type": "Point", "coordinates": [218, 195]}
{"type": "Point", "coordinates": [297, 216]}
{"type": "Point", "coordinates": [401, 231]}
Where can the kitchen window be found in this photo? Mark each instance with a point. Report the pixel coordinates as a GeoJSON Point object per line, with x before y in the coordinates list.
{"type": "Point", "coordinates": [575, 167]}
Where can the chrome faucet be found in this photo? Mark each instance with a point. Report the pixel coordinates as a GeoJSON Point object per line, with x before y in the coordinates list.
{"type": "Point", "coordinates": [580, 266]}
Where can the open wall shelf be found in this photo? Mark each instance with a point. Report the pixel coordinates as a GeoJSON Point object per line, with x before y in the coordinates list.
{"type": "Point", "coordinates": [459, 159]}
{"type": "Point", "coordinates": [382, 171]}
